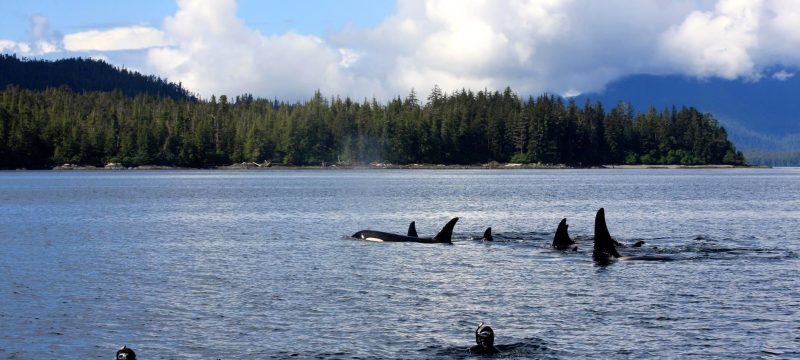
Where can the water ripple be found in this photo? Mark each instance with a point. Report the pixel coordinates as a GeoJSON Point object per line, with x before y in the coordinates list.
{"type": "Point", "coordinates": [260, 265]}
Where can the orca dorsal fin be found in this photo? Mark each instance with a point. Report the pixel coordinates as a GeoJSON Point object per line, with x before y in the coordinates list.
{"type": "Point", "coordinates": [412, 230]}
{"type": "Point", "coordinates": [604, 247]}
{"type": "Point", "coordinates": [446, 235]}
{"type": "Point", "coordinates": [562, 240]}
{"type": "Point", "coordinates": [487, 235]}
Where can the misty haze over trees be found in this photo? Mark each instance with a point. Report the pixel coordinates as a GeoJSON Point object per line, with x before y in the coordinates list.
{"type": "Point", "coordinates": [39, 129]}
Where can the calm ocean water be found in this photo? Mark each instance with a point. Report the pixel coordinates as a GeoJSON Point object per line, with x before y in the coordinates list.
{"type": "Point", "coordinates": [259, 264]}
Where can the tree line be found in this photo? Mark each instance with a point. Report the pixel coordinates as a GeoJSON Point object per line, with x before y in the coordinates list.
{"type": "Point", "coordinates": [82, 75]}
{"type": "Point", "coordinates": [39, 129]}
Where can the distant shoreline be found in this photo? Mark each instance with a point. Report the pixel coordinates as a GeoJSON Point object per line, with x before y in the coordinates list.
{"type": "Point", "coordinates": [380, 166]}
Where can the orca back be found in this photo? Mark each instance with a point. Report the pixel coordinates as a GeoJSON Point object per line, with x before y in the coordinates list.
{"type": "Point", "coordinates": [562, 240]}
{"type": "Point", "coordinates": [487, 235]}
{"type": "Point", "coordinates": [604, 248]}
{"type": "Point", "coordinates": [412, 230]}
{"type": "Point", "coordinates": [446, 235]}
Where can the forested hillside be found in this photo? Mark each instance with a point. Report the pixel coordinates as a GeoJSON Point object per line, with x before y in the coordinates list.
{"type": "Point", "coordinates": [762, 117]}
{"type": "Point", "coordinates": [39, 129]}
{"type": "Point", "coordinates": [82, 75]}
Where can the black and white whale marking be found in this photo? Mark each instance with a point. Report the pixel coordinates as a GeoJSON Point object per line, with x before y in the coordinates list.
{"type": "Point", "coordinates": [444, 236]}
{"type": "Point", "coordinates": [562, 240]}
{"type": "Point", "coordinates": [605, 247]}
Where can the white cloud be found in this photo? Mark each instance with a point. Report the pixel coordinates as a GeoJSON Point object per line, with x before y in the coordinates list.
{"type": "Point", "coordinates": [571, 46]}
{"type": "Point", "coordinates": [8, 46]}
{"type": "Point", "coordinates": [121, 38]}
{"type": "Point", "coordinates": [782, 75]}
{"type": "Point", "coordinates": [40, 27]}
{"type": "Point", "coordinates": [45, 47]}
{"type": "Point", "coordinates": [348, 57]}
{"type": "Point", "coordinates": [780, 37]}
{"type": "Point", "coordinates": [216, 54]}
{"type": "Point", "coordinates": [717, 43]}
{"type": "Point", "coordinates": [43, 41]}
{"type": "Point", "coordinates": [101, 57]}
{"type": "Point", "coordinates": [736, 39]}
{"type": "Point", "coordinates": [532, 46]}
{"type": "Point", "coordinates": [558, 46]}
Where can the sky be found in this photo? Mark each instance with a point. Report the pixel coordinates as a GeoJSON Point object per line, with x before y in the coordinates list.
{"type": "Point", "coordinates": [383, 49]}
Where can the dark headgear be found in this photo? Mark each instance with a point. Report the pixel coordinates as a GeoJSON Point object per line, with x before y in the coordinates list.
{"type": "Point", "coordinates": [484, 334]}
{"type": "Point", "coordinates": [125, 353]}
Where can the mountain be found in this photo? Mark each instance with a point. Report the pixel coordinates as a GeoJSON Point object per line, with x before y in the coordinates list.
{"type": "Point", "coordinates": [761, 117]}
{"type": "Point", "coordinates": [83, 75]}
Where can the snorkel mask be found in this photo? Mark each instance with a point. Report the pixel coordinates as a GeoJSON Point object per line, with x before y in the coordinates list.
{"type": "Point", "coordinates": [125, 353]}
{"type": "Point", "coordinates": [484, 336]}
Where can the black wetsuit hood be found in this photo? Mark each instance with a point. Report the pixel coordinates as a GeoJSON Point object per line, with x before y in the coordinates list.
{"type": "Point", "coordinates": [125, 353]}
{"type": "Point", "coordinates": [484, 337]}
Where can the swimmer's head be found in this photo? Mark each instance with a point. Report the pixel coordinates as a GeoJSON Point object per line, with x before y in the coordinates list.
{"type": "Point", "coordinates": [125, 353]}
{"type": "Point", "coordinates": [484, 336]}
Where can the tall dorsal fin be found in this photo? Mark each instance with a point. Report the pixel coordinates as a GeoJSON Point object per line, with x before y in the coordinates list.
{"type": "Point", "coordinates": [446, 235]}
{"type": "Point", "coordinates": [562, 240]}
{"type": "Point", "coordinates": [487, 235]}
{"type": "Point", "coordinates": [603, 243]}
{"type": "Point", "coordinates": [412, 230]}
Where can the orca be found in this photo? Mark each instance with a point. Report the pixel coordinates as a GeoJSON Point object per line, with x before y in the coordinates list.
{"type": "Point", "coordinates": [412, 230]}
{"type": "Point", "coordinates": [562, 241]}
{"type": "Point", "coordinates": [444, 236]}
{"type": "Point", "coordinates": [487, 235]}
{"type": "Point", "coordinates": [605, 247]}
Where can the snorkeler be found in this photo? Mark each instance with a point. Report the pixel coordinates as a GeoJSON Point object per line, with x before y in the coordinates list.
{"type": "Point", "coordinates": [484, 336]}
{"type": "Point", "coordinates": [125, 353]}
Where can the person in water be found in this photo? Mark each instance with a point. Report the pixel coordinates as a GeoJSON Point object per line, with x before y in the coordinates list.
{"type": "Point", "coordinates": [125, 353]}
{"type": "Point", "coordinates": [484, 336]}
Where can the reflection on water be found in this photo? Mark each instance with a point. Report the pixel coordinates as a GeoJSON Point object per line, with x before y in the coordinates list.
{"type": "Point", "coordinates": [259, 264]}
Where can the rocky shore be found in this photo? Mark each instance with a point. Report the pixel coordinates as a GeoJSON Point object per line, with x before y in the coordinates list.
{"type": "Point", "coordinates": [384, 165]}
{"type": "Point", "coordinates": [115, 166]}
